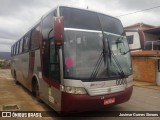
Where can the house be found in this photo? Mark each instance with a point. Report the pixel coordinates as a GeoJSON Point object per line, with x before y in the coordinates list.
{"type": "Point", "coordinates": [146, 62]}
{"type": "Point", "coordinates": [133, 33]}
{"type": "Point", "coordinates": [151, 38]}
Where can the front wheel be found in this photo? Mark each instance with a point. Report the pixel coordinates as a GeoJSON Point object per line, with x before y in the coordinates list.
{"type": "Point", "coordinates": [15, 78]}
{"type": "Point", "coordinates": [37, 94]}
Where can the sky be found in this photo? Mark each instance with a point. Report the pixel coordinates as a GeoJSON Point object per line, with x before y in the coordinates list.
{"type": "Point", "coordinates": [17, 16]}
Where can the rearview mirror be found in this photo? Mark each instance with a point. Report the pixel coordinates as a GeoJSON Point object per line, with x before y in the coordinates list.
{"type": "Point", "coordinates": [59, 30]}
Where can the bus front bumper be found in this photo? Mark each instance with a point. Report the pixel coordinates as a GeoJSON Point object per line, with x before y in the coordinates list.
{"type": "Point", "coordinates": [80, 103]}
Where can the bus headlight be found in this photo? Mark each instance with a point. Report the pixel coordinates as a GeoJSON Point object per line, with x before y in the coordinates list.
{"type": "Point", "coordinates": [75, 90]}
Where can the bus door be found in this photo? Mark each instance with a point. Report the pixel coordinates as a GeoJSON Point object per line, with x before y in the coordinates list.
{"type": "Point", "coordinates": [50, 63]}
{"type": "Point", "coordinates": [54, 76]}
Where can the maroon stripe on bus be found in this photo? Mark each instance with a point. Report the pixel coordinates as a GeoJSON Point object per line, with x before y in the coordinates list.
{"type": "Point", "coordinates": [80, 103]}
{"type": "Point", "coordinates": [52, 82]}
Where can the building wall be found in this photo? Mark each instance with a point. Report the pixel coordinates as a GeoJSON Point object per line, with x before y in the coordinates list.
{"type": "Point", "coordinates": [144, 69]}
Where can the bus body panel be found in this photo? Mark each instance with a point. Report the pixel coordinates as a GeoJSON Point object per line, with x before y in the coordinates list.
{"type": "Point", "coordinates": [43, 86]}
{"type": "Point", "coordinates": [21, 66]}
{"type": "Point", "coordinates": [101, 87]}
{"type": "Point", "coordinates": [54, 97]}
{"type": "Point", "coordinates": [31, 68]}
{"type": "Point", "coordinates": [48, 93]}
{"type": "Point", "coordinates": [79, 103]}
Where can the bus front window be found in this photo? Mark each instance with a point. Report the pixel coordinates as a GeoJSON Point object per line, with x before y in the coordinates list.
{"type": "Point", "coordinates": [88, 37]}
{"type": "Point", "coordinates": [119, 48]}
{"type": "Point", "coordinates": [81, 51]}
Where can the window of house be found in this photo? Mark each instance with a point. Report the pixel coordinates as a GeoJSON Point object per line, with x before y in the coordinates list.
{"type": "Point", "coordinates": [130, 39]}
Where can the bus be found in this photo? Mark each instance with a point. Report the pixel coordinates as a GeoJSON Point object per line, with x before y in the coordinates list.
{"type": "Point", "coordinates": [74, 60]}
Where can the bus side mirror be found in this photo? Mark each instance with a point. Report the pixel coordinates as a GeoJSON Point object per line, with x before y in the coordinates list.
{"type": "Point", "coordinates": [59, 30]}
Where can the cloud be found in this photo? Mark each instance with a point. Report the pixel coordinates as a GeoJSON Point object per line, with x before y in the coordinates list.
{"type": "Point", "coordinates": [140, 17]}
{"type": "Point", "coordinates": [6, 48]}
{"type": "Point", "coordinates": [7, 41]}
{"type": "Point", "coordinates": [17, 16]}
{"type": "Point", "coordinates": [130, 5]}
{"type": "Point", "coordinates": [6, 44]}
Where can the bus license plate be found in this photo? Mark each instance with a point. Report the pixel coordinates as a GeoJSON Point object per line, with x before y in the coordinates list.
{"type": "Point", "coordinates": [109, 101]}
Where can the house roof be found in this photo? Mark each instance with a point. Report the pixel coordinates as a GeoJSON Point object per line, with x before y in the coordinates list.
{"type": "Point", "coordinates": [139, 25]}
{"type": "Point", "coordinates": [154, 30]}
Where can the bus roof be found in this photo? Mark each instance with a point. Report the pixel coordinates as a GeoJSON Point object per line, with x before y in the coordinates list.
{"type": "Point", "coordinates": [87, 10]}
{"type": "Point", "coordinates": [57, 7]}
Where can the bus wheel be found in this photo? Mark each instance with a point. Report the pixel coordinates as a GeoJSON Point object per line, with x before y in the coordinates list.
{"type": "Point", "coordinates": [15, 78]}
{"type": "Point", "coordinates": [36, 88]}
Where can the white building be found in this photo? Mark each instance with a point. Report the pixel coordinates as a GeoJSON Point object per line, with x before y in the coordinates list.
{"type": "Point", "coordinates": [133, 32]}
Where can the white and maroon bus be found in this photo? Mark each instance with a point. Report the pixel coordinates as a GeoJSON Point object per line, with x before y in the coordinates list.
{"type": "Point", "coordinates": [74, 60]}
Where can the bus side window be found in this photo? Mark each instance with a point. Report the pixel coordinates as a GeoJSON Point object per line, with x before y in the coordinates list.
{"type": "Point", "coordinates": [49, 56]}
{"type": "Point", "coordinates": [15, 49]}
{"type": "Point", "coordinates": [17, 52]}
{"type": "Point", "coordinates": [11, 51]}
{"type": "Point", "coordinates": [47, 25]}
{"type": "Point", "coordinates": [35, 38]}
{"type": "Point", "coordinates": [21, 44]}
{"type": "Point", "coordinates": [26, 42]}
{"type": "Point", "coordinates": [55, 13]}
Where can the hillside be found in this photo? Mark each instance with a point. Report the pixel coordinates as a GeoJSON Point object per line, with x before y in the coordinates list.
{"type": "Point", "coordinates": [5, 55]}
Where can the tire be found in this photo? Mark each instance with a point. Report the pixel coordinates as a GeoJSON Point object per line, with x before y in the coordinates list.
{"type": "Point", "coordinates": [15, 78]}
{"type": "Point", "coordinates": [36, 91]}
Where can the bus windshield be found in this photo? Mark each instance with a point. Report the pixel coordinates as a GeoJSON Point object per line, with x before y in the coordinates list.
{"type": "Point", "coordinates": [85, 33]}
{"type": "Point", "coordinates": [119, 48]}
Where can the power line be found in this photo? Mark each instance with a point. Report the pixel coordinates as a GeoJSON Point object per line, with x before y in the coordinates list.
{"type": "Point", "coordinates": [138, 11]}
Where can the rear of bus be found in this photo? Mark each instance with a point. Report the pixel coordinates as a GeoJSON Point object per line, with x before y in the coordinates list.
{"type": "Point", "coordinates": [96, 61]}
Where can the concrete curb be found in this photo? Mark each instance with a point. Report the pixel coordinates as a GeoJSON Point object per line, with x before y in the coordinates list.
{"type": "Point", "coordinates": [146, 85]}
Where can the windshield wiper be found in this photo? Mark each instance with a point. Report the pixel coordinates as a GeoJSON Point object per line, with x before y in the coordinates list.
{"type": "Point", "coordinates": [114, 57]}
{"type": "Point", "coordinates": [97, 67]}
{"type": "Point", "coordinates": [119, 66]}
{"type": "Point", "coordinates": [102, 56]}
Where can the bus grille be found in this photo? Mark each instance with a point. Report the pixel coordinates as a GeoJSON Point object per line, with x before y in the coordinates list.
{"type": "Point", "coordinates": [106, 90]}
